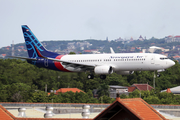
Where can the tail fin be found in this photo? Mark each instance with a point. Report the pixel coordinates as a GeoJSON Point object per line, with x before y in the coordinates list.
{"type": "Point", "coordinates": [32, 42]}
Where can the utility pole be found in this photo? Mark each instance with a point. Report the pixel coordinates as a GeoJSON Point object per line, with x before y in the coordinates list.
{"type": "Point", "coordinates": [12, 48]}
{"type": "Point", "coordinates": [154, 80]}
{"type": "Point", "coordinates": [46, 88]}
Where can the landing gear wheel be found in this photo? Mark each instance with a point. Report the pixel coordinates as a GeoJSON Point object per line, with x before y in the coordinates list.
{"type": "Point", "coordinates": [90, 76]}
{"type": "Point", "coordinates": [158, 75]}
{"type": "Point", "coordinates": [103, 76]}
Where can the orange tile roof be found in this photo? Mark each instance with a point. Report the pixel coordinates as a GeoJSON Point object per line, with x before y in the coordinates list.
{"type": "Point", "coordinates": [134, 108]}
{"type": "Point", "coordinates": [87, 50]}
{"type": "Point", "coordinates": [3, 55]}
{"type": "Point", "coordinates": [142, 109]}
{"type": "Point", "coordinates": [5, 115]}
{"type": "Point", "coordinates": [176, 56]}
{"type": "Point", "coordinates": [131, 89]}
{"type": "Point", "coordinates": [143, 86]}
{"type": "Point", "coordinates": [63, 90]}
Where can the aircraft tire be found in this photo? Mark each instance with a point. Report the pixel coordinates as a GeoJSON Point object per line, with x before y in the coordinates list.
{"type": "Point", "coordinates": [103, 77]}
{"type": "Point", "coordinates": [90, 76]}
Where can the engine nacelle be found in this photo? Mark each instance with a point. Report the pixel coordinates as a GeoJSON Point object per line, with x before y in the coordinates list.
{"type": "Point", "coordinates": [103, 70]}
{"type": "Point", "coordinates": [125, 72]}
{"type": "Point", "coordinates": [162, 70]}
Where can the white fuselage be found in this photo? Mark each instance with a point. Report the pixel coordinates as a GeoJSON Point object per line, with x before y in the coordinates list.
{"type": "Point", "coordinates": [121, 61]}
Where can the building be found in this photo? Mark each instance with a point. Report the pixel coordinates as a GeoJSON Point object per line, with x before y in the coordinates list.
{"type": "Point", "coordinates": [171, 38]}
{"type": "Point", "coordinates": [3, 55]}
{"type": "Point", "coordinates": [141, 38]}
{"type": "Point", "coordinates": [129, 109]}
{"type": "Point", "coordinates": [64, 90]}
{"type": "Point", "coordinates": [114, 89]}
{"type": "Point", "coordinates": [123, 109]}
{"type": "Point", "coordinates": [140, 87]}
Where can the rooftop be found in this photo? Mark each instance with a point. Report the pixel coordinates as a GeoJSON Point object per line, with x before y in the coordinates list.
{"type": "Point", "coordinates": [143, 86]}
{"type": "Point", "coordinates": [134, 108]}
{"type": "Point", "coordinates": [35, 111]}
{"type": "Point", "coordinates": [63, 90]}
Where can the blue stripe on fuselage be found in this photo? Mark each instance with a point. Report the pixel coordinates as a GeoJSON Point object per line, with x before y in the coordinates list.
{"type": "Point", "coordinates": [45, 63]}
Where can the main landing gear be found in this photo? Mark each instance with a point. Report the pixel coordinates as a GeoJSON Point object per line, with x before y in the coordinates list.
{"type": "Point", "coordinates": [103, 77]}
{"type": "Point", "coordinates": [91, 76]}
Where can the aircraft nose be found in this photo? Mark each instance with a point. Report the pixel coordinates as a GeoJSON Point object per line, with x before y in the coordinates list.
{"type": "Point", "coordinates": [171, 63]}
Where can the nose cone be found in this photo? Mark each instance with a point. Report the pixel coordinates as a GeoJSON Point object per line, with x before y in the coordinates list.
{"type": "Point", "coordinates": [171, 63]}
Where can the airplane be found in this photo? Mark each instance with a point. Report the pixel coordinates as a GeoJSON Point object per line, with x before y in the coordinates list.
{"type": "Point", "coordinates": [101, 64]}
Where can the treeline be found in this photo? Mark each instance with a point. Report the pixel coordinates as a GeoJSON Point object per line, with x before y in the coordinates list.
{"type": "Point", "coordinates": [23, 82]}
{"type": "Point", "coordinates": [101, 45]}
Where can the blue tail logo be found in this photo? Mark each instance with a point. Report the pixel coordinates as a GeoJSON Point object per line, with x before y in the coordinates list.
{"type": "Point", "coordinates": [32, 42]}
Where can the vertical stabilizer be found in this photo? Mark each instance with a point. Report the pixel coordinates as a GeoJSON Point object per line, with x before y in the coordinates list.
{"type": "Point", "coordinates": [31, 41]}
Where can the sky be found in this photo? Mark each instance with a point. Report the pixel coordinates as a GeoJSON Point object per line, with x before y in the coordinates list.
{"type": "Point", "coordinates": [85, 19]}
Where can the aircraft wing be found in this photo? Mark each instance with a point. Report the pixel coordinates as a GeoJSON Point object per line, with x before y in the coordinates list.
{"type": "Point", "coordinates": [73, 64]}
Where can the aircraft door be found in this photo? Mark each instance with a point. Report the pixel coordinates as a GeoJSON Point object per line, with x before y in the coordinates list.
{"type": "Point", "coordinates": [46, 62]}
{"type": "Point", "coordinates": [152, 59]}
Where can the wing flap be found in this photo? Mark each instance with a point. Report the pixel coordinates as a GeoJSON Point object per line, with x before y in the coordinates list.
{"type": "Point", "coordinates": [73, 64]}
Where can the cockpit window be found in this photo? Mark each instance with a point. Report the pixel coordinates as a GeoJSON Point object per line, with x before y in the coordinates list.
{"type": "Point", "coordinates": [163, 58]}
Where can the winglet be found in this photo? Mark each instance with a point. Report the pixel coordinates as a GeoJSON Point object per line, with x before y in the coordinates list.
{"type": "Point", "coordinates": [112, 51]}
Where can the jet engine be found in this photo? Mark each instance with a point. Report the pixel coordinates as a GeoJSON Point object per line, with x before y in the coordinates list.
{"type": "Point", "coordinates": [125, 72]}
{"type": "Point", "coordinates": [103, 70]}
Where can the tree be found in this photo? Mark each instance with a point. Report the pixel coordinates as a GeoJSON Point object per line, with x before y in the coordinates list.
{"type": "Point", "coordinates": [152, 100]}
{"type": "Point", "coordinates": [72, 53]}
{"type": "Point", "coordinates": [135, 94]}
{"type": "Point", "coordinates": [106, 99]}
{"type": "Point", "coordinates": [103, 89]}
{"type": "Point", "coordinates": [39, 96]}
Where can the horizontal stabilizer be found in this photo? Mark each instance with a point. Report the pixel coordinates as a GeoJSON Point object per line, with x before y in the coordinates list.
{"type": "Point", "coordinates": [22, 57]}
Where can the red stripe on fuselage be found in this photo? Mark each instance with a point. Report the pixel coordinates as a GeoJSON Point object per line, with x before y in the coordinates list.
{"type": "Point", "coordinates": [58, 64]}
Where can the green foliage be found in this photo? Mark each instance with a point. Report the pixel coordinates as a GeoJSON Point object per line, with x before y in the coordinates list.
{"type": "Point", "coordinates": [38, 96]}
{"type": "Point", "coordinates": [72, 53]}
{"type": "Point", "coordinates": [106, 99]}
{"type": "Point", "coordinates": [152, 100]}
{"type": "Point", "coordinates": [135, 94]}
{"type": "Point", "coordinates": [70, 97]}
{"type": "Point", "coordinates": [23, 82]}
{"type": "Point", "coordinates": [152, 97]}
{"type": "Point", "coordinates": [103, 90]}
